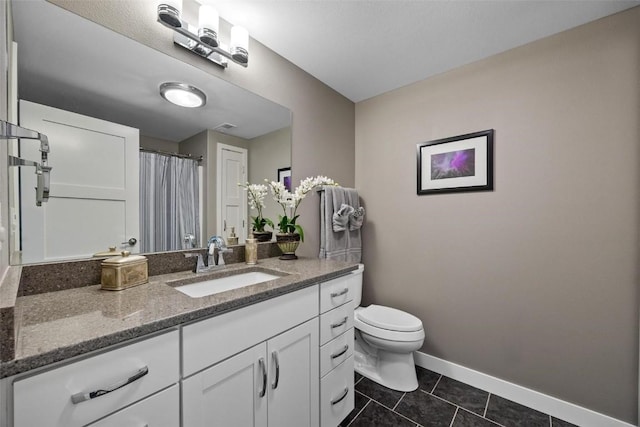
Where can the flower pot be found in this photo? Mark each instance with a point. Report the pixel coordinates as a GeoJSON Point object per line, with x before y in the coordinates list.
{"type": "Point", "coordinates": [262, 236]}
{"type": "Point", "coordinates": [288, 243]}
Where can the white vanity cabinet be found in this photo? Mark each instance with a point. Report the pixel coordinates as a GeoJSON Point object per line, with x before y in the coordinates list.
{"type": "Point", "coordinates": [274, 383]}
{"type": "Point", "coordinates": [286, 361]}
{"type": "Point", "coordinates": [265, 374]}
{"type": "Point", "coordinates": [84, 391]}
{"type": "Point", "coordinates": [336, 350]}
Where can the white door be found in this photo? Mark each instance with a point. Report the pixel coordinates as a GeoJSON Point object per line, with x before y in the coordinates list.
{"type": "Point", "coordinates": [294, 377]}
{"type": "Point", "coordinates": [231, 393]}
{"type": "Point", "coordinates": [93, 201]}
{"type": "Point", "coordinates": [232, 199]}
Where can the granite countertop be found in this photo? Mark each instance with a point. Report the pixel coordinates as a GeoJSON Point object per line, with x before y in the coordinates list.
{"type": "Point", "coordinates": [55, 326]}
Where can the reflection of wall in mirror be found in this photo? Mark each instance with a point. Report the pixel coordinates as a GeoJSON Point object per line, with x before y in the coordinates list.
{"type": "Point", "coordinates": [4, 253]}
{"type": "Point", "coordinates": [209, 211]}
{"type": "Point", "coordinates": [269, 153]}
{"type": "Point", "coordinates": [158, 144]}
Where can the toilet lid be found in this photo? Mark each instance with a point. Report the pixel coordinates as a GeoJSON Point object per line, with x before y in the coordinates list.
{"type": "Point", "coordinates": [389, 318]}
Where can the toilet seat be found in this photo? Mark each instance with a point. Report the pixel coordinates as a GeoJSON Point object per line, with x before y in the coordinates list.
{"type": "Point", "coordinates": [389, 318]}
{"type": "Point", "coordinates": [367, 320]}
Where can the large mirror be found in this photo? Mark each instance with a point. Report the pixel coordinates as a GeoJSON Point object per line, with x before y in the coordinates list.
{"type": "Point", "coordinates": [95, 93]}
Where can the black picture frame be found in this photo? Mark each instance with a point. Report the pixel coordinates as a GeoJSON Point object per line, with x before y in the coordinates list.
{"type": "Point", "coordinates": [284, 176]}
{"type": "Point", "coordinates": [456, 164]}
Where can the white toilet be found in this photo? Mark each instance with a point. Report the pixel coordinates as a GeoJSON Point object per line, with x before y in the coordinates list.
{"type": "Point", "coordinates": [385, 341]}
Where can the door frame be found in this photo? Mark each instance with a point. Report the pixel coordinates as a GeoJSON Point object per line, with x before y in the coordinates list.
{"type": "Point", "coordinates": [219, 185]}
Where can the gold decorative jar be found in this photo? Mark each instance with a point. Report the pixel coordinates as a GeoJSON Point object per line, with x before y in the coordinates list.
{"type": "Point", "coordinates": [123, 272]}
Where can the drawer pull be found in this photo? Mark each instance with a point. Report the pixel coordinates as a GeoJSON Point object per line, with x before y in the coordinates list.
{"type": "Point", "coordinates": [263, 368]}
{"type": "Point", "coordinates": [341, 323]}
{"type": "Point", "coordinates": [343, 351]}
{"type": "Point", "coordinates": [341, 398]}
{"type": "Point", "coordinates": [274, 355]}
{"type": "Point", "coordinates": [339, 294]}
{"type": "Point", "coordinates": [82, 396]}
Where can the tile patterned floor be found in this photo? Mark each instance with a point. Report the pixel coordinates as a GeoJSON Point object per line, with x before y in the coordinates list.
{"type": "Point", "coordinates": [439, 401]}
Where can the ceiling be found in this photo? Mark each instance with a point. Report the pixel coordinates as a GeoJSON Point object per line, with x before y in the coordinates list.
{"type": "Point", "coordinates": [362, 48]}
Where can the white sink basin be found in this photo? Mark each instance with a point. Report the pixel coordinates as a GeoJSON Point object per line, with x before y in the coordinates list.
{"type": "Point", "coordinates": [222, 284]}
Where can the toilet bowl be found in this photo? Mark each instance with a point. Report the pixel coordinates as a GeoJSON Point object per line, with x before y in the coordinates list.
{"type": "Point", "coordinates": [385, 339]}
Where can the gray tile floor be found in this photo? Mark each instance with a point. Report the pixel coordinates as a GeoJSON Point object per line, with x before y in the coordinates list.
{"type": "Point", "coordinates": [439, 401]}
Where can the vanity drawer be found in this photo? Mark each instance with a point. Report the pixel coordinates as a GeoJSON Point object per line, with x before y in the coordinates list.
{"type": "Point", "coordinates": [242, 328]}
{"type": "Point", "coordinates": [159, 410]}
{"type": "Point", "coordinates": [336, 394]}
{"type": "Point", "coordinates": [336, 292]}
{"type": "Point", "coordinates": [335, 322]}
{"type": "Point", "coordinates": [335, 352]}
{"type": "Point", "coordinates": [46, 399]}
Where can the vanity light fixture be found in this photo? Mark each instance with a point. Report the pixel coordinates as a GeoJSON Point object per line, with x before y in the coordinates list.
{"type": "Point", "coordinates": [183, 94]}
{"type": "Point", "coordinates": [204, 40]}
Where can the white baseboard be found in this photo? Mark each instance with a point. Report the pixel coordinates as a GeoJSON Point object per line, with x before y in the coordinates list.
{"type": "Point", "coordinates": [570, 412]}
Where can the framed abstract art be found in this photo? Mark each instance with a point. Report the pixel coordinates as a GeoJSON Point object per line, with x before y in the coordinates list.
{"type": "Point", "coordinates": [456, 164]}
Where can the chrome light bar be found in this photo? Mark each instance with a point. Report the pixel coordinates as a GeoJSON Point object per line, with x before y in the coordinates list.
{"type": "Point", "coordinates": [203, 41]}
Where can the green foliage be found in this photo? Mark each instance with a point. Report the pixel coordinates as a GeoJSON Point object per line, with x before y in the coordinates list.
{"type": "Point", "coordinates": [260, 222]}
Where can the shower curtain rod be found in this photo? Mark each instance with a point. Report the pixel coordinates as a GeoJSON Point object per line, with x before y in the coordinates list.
{"type": "Point", "coordinates": [167, 153]}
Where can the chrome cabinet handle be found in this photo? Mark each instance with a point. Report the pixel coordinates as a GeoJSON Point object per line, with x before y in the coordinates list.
{"type": "Point", "coordinates": [341, 323]}
{"type": "Point", "coordinates": [343, 351]}
{"type": "Point", "coordinates": [82, 396]}
{"type": "Point", "coordinates": [339, 294]}
{"type": "Point", "coordinates": [274, 355]}
{"type": "Point", "coordinates": [262, 392]}
{"type": "Point", "coordinates": [341, 398]}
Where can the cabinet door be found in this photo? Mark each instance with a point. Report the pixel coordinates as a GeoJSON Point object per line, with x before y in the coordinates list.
{"type": "Point", "coordinates": [231, 393]}
{"type": "Point", "coordinates": [294, 377]}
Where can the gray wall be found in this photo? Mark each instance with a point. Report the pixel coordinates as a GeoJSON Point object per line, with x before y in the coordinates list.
{"type": "Point", "coordinates": [158, 144]}
{"type": "Point", "coordinates": [323, 120]}
{"type": "Point", "coordinates": [535, 282]}
{"type": "Point", "coordinates": [269, 153]}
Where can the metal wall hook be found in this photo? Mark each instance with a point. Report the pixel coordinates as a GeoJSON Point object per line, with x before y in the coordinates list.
{"type": "Point", "coordinates": [11, 131]}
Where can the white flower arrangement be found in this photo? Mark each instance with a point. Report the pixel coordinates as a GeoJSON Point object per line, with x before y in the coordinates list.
{"type": "Point", "coordinates": [289, 201]}
{"type": "Point", "coordinates": [256, 194]}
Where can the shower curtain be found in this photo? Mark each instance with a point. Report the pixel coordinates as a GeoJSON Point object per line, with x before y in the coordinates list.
{"type": "Point", "coordinates": [169, 203]}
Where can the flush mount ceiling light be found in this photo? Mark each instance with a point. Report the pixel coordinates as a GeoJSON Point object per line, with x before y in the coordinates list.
{"type": "Point", "coordinates": [183, 94]}
{"type": "Point", "coordinates": [204, 39]}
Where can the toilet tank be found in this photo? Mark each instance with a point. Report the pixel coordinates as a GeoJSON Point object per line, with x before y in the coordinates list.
{"type": "Point", "coordinates": [356, 282]}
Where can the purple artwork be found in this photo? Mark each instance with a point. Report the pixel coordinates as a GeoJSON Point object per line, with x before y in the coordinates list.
{"type": "Point", "coordinates": [287, 182]}
{"type": "Point", "coordinates": [454, 164]}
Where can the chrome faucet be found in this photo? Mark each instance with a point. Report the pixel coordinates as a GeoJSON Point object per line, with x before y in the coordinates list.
{"type": "Point", "coordinates": [215, 242]}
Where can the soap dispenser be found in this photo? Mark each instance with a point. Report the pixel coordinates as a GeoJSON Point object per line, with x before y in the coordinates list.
{"type": "Point", "coordinates": [251, 250]}
{"type": "Point", "coordinates": [232, 240]}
